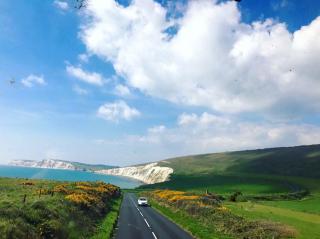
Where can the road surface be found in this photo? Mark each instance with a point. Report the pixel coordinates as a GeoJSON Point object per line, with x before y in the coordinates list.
{"type": "Point", "coordinates": [145, 223]}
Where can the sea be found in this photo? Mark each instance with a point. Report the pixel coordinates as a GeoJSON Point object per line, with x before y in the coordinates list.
{"type": "Point", "coordinates": [66, 175]}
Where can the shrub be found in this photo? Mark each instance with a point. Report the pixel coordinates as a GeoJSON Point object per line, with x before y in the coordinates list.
{"type": "Point", "coordinates": [233, 197]}
{"type": "Point", "coordinates": [52, 229]}
{"type": "Point", "coordinates": [220, 217]}
{"type": "Point", "coordinates": [82, 199]}
{"type": "Point", "coordinates": [16, 229]}
{"type": "Point", "coordinates": [74, 210]}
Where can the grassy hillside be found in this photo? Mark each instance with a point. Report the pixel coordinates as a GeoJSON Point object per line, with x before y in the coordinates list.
{"type": "Point", "coordinates": [254, 171]}
{"type": "Point", "coordinates": [50, 209]}
{"type": "Point", "coordinates": [268, 183]}
{"type": "Point", "coordinates": [300, 161]}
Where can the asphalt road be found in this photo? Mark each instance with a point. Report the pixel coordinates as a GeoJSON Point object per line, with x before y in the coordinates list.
{"type": "Point", "coordinates": [145, 223]}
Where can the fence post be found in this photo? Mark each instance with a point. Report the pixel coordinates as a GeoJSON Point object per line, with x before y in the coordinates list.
{"type": "Point", "coordinates": [24, 198]}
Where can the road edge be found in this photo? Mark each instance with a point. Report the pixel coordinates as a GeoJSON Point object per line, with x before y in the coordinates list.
{"type": "Point", "coordinates": [108, 233]}
{"type": "Point", "coordinates": [153, 202]}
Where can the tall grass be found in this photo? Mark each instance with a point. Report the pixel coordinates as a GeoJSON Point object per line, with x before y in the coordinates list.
{"type": "Point", "coordinates": [50, 209]}
{"type": "Point", "coordinates": [106, 228]}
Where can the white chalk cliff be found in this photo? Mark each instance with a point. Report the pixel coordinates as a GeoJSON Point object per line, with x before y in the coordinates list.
{"type": "Point", "coordinates": [148, 173]}
{"type": "Point", "coordinates": [45, 163]}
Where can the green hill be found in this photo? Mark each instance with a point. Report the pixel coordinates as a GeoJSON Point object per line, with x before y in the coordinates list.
{"type": "Point", "coordinates": [254, 171]}
{"type": "Point", "coordinates": [276, 185]}
{"type": "Point", "coordinates": [303, 161]}
{"type": "Point", "coordinates": [91, 167]}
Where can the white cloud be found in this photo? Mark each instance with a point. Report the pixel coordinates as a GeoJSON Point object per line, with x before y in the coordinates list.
{"type": "Point", "coordinates": [157, 129]}
{"type": "Point", "coordinates": [79, 90]}
{"type": "Point", "coordinates": [223, 133]}
{"type": "Point", "coordinates": [199, 136]}
{"type": "Point", "coordinates": [83, 57]}
{"type": "Point", "coordinates": [215, 60]}
{"type": "Point", "coordinates": [62, 5]}
{"type": "Point", "coordinates": [116, 111]}
{"type": "Point", "coordinates": [32, 80]}
{"type": "Point", "coordinates": [205, 119]}
{"type": "Point", "coordinates": [122, 90]}
{"type": "Point", "coordinates": [85, 76]}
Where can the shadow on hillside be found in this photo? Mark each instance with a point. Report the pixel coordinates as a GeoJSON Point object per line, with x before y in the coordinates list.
{"type": "Point", "coordinates": [302, 161]}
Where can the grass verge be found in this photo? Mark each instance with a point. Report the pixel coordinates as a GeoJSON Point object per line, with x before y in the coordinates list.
{"type": "Point", "coordinates": [106, 228]}
{"type": "Point", "coordinates": [188, 223]}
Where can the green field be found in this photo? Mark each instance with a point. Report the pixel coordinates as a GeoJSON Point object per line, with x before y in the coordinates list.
{"type": "Point", "coordinates": [50, 209]}
{"type": "Point", "coordinates": [224, 184]}
{"type": "Point", "coordinates": [262, 176]}
{"type": "Point", "coordinates": [309, 204]}
{"type": "Point", "coordinates": [307, 224]}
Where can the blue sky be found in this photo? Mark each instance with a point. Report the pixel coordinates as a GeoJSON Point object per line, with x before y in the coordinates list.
{"type": "Point", "coordinates": [111, 84]}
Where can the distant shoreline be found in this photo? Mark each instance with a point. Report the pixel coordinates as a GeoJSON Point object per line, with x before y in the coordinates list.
{"type": "Point", "coordinates": [57, 174]}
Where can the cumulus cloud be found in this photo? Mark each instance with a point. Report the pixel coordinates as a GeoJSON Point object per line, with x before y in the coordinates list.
{"type": "Point", "coordinates": [208, 132]}
{"type": "Point", "coordinates": [33, 80]}
{"type": "Point", "coordinates": [83, 58]}
{"type": "Point", "coordinates": [199, 136]}
{"type": "Point", "coordinates": [80, 91]}
{"type": "Point", "coordinates": [122, 90]}
{"type": "Point", "coordinates": [214, 60]}
{"type": "Point", "coordinates": [62, 5]}
{"type": "Point", "coordinates": [116, 111]}
{"type": "Point", "coordinates": [205, 119]}
{"type": "Point", "coordinates": [85, 76]}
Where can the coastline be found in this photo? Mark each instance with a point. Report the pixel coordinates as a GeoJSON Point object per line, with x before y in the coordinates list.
{"type": "Point", "coordinates": [121, 176]}
{"type": "Point", "coordinates": [56, 174]}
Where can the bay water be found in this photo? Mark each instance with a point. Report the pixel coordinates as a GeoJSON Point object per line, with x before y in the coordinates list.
{"type": "Point", "coordinates": [65, 175]}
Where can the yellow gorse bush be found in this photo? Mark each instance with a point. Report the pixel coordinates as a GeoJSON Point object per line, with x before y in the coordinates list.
{"type": "Point", "coordinates": [83, 184]}
{"type": "Point", "coordinates": [183, 197]}
{"type": "Point", "coordinates": [61, 188]}
{"type": "Point", "coordinates": [173, 196]}
{"type": "Point", "coordinates": [166, 194]}
{"type": "Point", "coordinates": [85, 188]}
{"type": "Point", "coordinates": [88, 193]}
{"type": "Point", "coordinates": [82, 198]}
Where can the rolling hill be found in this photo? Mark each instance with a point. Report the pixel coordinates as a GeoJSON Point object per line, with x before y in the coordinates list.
{"type": "Point", "coordinates": [276, 185]}
{"type": "Point", "coordinates": [269, 170]}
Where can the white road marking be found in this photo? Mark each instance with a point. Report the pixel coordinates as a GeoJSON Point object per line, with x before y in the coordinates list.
{"type": "Point", "coordinates": [154, 235]}
{"type": "Point", "coordinates": [146, 222]}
